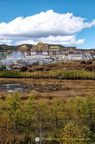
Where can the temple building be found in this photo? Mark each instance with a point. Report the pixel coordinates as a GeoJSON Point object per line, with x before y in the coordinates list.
{"type": "Point", "coordinates": [54, 50]}
{"type": "Point", "coordinates": [44, 49]}
{"type": "Point", "coordinates": [24, 49]}
{"type": "Point", "coordinates": [40, 49]}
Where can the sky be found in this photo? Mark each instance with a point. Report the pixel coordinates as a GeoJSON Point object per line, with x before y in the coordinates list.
{"type": "Point", "coordinates": [65, 22]}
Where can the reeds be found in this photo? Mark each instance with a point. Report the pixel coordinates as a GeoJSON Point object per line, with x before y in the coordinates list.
{"type": "Point", "coordinates": [64, 74]}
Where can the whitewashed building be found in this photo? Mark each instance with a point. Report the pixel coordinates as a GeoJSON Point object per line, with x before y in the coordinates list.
{"type": "Point", "coordinates": [75, 56]}
{"type": "Point", "coordinates": [70, 56]}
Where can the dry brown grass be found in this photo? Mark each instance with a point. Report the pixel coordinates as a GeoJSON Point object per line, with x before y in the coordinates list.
{"type": "Point", "coordinates": [66, 65]}
{"type": "Point", "coordinates": [67, 88]}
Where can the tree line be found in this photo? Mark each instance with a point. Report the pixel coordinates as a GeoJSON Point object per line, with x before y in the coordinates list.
{"type": "Point", "coordinates": [54, 122]}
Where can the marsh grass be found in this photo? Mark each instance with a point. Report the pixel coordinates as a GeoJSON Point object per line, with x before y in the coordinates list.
{"type": "Point", "coordinates": [66, 88]}
{"type": "Point", "coordinates": [64, 74]}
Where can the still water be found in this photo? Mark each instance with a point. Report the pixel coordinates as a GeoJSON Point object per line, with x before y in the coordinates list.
{"type": "Point", "coordinates": [10, 87]}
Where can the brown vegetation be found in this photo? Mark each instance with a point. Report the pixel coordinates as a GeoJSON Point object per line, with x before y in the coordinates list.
{"type": "Point", "coordinates": [65, 65]}
{"type": "Point", "coordinates": [65, 88]}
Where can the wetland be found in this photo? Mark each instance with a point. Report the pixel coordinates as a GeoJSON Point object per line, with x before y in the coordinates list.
{"type": "Point", "coordinates": [48, 88]}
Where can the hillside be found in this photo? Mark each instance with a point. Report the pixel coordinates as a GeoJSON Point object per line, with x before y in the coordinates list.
{"type": "Point", "coordinates": [65, 65]}
{"type": "Point", "coordinates": [11, 48]}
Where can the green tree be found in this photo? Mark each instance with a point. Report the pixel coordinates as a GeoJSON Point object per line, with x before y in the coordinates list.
{"type": "Point", "coordinates": [29, 118]}
{"type": "Point", "coordinates": [12, 111]}
{"type": "Point", "coordinates": [90, 102]}
{"type": "Point", "coordinates": [57, 117]}
{"type": "Point", "coordinates": [42, 119]}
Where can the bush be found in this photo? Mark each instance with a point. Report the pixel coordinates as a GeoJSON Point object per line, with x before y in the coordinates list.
{"type": "Point", "coordinates": [23, 69]}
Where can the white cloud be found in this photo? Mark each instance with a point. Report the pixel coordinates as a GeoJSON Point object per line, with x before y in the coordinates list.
{"type": "Point", "coordinates": [63, 40]}
{"type": "Point", "coordinates": [49, 27]}
{"type": "Point", "coordinates": [26, 42]}
{"type": "Point", "coordinates": [5, 41]}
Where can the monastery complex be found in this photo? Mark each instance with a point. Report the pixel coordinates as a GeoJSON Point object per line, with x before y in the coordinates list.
{"type": "Point", "coordinates": [53, 51]}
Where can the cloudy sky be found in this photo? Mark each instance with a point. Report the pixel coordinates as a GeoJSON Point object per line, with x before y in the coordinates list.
{"type": "Point", "coordinates": [65, 22]}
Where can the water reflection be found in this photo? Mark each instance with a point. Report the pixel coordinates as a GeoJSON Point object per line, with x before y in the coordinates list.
{"type": "Point", "coordinates": [10, 87]}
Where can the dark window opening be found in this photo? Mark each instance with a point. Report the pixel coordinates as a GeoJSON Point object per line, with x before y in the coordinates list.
{"type": "Point", "coordinates": [39, 53]}
{"type": "Point", "coordinates": [54, 53]}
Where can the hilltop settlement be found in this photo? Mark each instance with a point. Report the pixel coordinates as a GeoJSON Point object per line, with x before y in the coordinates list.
{"type": "Point", "coordinates": [41, 53]}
